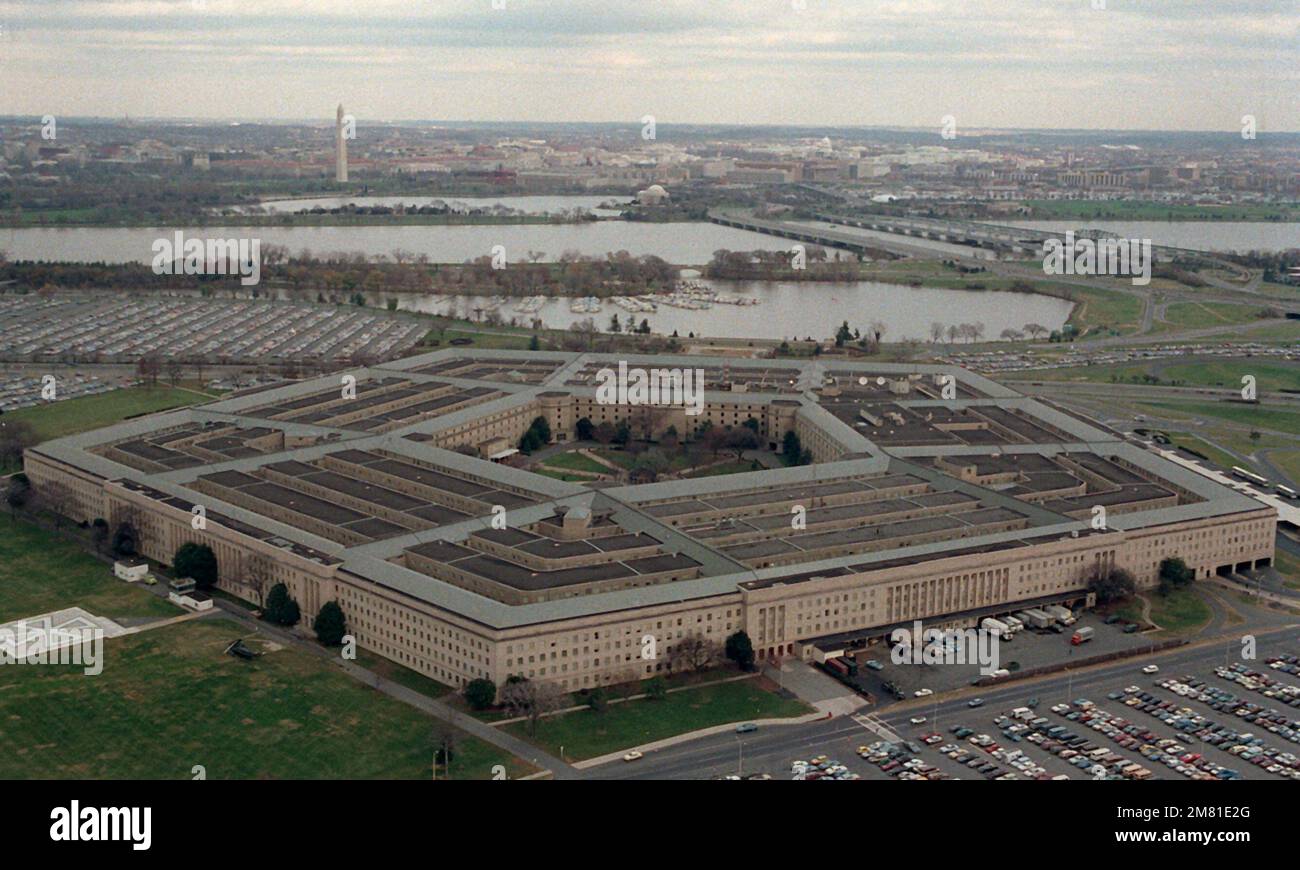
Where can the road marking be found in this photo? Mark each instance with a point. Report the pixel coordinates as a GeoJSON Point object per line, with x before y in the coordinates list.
{"type": "Point", "coordinates": [874, 724]}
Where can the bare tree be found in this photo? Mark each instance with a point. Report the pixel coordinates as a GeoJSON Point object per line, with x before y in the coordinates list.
{"type": "Point", "coordinates": [174, 370]}
{"type": "Point", "coordinates": [695, 651]}
{"type": "Point", "coordinates": [936, 332]}
{"type": "Point", "coordinates": [257, 576]}
{"type": "Point", "coordinates": [530, 699]}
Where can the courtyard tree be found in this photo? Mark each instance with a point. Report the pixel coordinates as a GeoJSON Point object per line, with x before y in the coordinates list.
{"type": "Point", "coordinates": [584, 429]}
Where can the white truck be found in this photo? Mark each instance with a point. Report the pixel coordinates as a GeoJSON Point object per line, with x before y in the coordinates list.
{"type": "Point", "coordinates": [1062, 613]}
{"type": "Point", "coordinates": [1013, 623]}
{"type": "Point", "coordinates": [1038, 618]}
{"type": "Point", "coordinates": [997, 627]}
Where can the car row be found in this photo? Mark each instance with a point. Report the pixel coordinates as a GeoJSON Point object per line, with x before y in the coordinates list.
{"type": "Point", "coordinates": [820, 767]}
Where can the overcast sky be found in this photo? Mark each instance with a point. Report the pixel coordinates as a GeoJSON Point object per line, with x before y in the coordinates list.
{"type": "Point", "coordinates": [1137, 64]}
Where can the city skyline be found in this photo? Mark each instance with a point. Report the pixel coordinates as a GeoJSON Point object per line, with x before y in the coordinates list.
{"type": "Point", "coordinates": [1007, 65]}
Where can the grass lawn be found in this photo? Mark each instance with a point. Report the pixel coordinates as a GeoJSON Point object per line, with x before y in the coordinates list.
{"type": "Point", "coordinates": [93, 412]}
{"type": "Point", "coordinates": [1219, 457]}
{"type": "Point", "coordinates": [1288, 461]}
{"type": "Point", "coordinates": [1100, 311]}
{"type": "Point", "coordinates": [41, 572]}
{"type": "Point", "coordinates": [621, 458]}
{"type": "Point", "coordinates": [489, 340]}
{"type": "Point", "coordinates": [1182, 611]}
{"type": "Point", "coordinates": [1274, 333]}
{"type": "Point", "coordinates": [1199, 315]}
{"type": "Point", "coordinates": [1288, 566]}
{"type": "Point", "coordinates": [169, 699]}
{"type": "Point", "coordinates": [1269, 375]}
{"type": "Point", "coordinates": [575, 461]}
{"type": "Point", "coordinates": [1258, 416]}
{"type": "Point", "coordinates": [403, 676]}
{"type": "Point", "coordinates": [586, 734]}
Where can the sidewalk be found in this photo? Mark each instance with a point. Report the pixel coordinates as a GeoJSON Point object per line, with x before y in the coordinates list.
{"type": "Point", "coordinates": [695, 735]}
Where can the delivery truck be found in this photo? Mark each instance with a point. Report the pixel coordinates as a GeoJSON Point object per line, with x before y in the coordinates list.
{"type": "Point", "coordinates": [1062, 613]}
{"type": "Point", "coordinates": [1082, 635]}
{"type": "Point", "coordinates": [1037, 618]}
{"type": "Point", "coordinates": [997, 627]}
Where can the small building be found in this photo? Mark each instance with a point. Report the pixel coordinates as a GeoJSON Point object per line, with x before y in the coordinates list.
{"type": "Point", "coordinates": [192, 599]}
{"type": "Point", "coordinates": [131, 570]}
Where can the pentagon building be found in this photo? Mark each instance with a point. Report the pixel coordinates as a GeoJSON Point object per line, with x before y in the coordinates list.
{"type": "Point", "coordinates": [934, 494]}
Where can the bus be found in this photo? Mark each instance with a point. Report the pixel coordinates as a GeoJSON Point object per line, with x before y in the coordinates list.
{"type": "Point", "coordinates": [1287, 492]}
{"type": "Point", "coordinates": [1250, 476]}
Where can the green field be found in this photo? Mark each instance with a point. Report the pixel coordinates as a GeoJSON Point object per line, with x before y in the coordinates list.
{"type": "Point", "coordinates": [1219, 457]}
{"type": "Point", "coordinates": [1201, 315]}
{"type": "Point", "coordinates": [169, 699]}
{"type": "Point", "coordinates": [1257, 416]}
{"type": "Point", "coordinates": [587, 734]}
{"type": "Point", "coordinates": [1101, 311]}
{"type": "Point", "coordinates": [1269, 375]}
{"type": "Point", "coordinates": [41, 572]}
{"type": "Point", "coordinates": [1182, 611]}
{"type": "Point", "coordinates": [71, 416]}
{"type": "Point", "coordinates": [575, 461]}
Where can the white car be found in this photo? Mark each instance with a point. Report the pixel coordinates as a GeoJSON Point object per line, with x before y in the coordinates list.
{"type": "Point", "coordinates": [1151, 669]}
{"type": "Point", "coordinates": [632, 756]}
{"type": "Point", "coordinates": [922, 693]}
{"type": "Point", "coordinates": [917, 720]}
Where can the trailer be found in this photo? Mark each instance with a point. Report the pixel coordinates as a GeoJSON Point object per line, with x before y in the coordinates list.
{"type": "Point", "coordinates": [998, 628]}
{"type": "Point", "coordinates": [1062, 613]}
{"type": "Point", "coordinates": [1038, 618]}
{"type": "Point", "coordinates": [1013, 623]}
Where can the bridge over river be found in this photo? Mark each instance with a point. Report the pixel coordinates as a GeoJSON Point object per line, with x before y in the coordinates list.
{"type": "Point", "coordinates": [1015, 241]}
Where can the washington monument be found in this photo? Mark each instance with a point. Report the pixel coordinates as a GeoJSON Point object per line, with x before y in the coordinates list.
{"type": "Point", "coordinates": [340, 149]}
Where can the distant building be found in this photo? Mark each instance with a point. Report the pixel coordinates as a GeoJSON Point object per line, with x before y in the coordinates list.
{"type": "Point", "coordinates": [340, 149]}
{"type": "Point", "coordinates": [652, 195]}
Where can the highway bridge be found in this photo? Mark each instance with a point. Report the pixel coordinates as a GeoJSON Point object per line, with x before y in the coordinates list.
{"type": "Point", "coordinates": [1015, 241]}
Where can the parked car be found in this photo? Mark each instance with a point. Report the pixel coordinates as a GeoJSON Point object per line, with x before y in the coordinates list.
{"type": "Point", "coordinates": [746, 728]}
{"type": "Point", "coordinates": [632, 756]}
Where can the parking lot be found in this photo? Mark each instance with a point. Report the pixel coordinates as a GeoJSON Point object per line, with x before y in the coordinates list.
{"type": "Point", "coordinates": [1029, 648]}
{"type": "Point", "coordinates": [1197, 712]}
{"type": "Point", "coordinates": [124, 329]}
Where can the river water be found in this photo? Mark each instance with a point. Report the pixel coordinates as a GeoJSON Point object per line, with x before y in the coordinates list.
{"type": "Point", "coordinates": [794, 310]}
{"type": "Point", "coordinates": [786, 310]}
